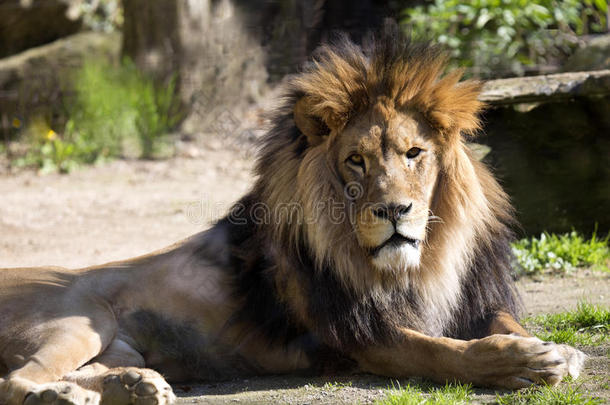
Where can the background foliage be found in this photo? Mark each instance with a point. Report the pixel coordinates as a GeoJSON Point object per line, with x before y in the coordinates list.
{"type": "Point", "coordinates": [506, 37]}
{"type": "Point", "coordinates": [561, 253]}
{"type": "Point", "coordinates": [116, 111]}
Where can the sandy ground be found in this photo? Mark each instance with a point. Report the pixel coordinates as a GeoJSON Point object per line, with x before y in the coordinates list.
{"type": "Point", "coordinates": [125, 208]}
{"type": "Point", "coordinates": [128, 208]}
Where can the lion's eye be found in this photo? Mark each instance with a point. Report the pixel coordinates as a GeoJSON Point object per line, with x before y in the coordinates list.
{"type": "Point", "coordinates": [413, 152]}
{"type": "Point", "coordinates": [356, 159]}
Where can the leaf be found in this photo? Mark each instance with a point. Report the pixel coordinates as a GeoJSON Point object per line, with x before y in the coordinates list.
{"type": "Point", "coordinates": [601, 5]}
{"type": "Point", "coordinates": [509, 17]}
{"type": "Point", "coordinates": [484, 17]}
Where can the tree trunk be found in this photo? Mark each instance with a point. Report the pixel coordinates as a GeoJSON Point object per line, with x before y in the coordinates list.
{"type": "Point", "coordinates": [151, 36]}
{"type": "Point", "coordinates": [219, 67]}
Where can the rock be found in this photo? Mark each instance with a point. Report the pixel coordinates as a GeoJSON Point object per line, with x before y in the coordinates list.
{"type": "Point", "coordinates": [546, 88]}
{"type": "Point", "coordinates": [593, 55]}
{"type": "Point", "coordinates": [28, 23]}
{"type": "Point", "coordinates": [34, 82]}
{"type": "Point", "coordinates": [550, 141]}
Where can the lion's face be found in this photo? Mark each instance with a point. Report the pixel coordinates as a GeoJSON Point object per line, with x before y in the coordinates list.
{"type": "Point", "coordinates": [389, 164]}
{"type": "Point", "coordinates": [385, 120]}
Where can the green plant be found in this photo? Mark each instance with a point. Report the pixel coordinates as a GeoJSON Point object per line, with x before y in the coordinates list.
{"type": "Point", "coordinates": [116, 104]}
{"type": "Point", "coordinates": [587, 325]}
{"type": "Point", "coordinates": [47, 150]}
{"type": "Point", "coordinates": [450, 394]}
{"type": "Point", "coordinates": [58, 154]}
{"type": "Point", "coordinates": [156, 113]}
{"type": "Point", "coordinates": [102, 115]}
{"type": "Point", "coordinates": [503, 37]}
{"type": "Point", "coordinates": [560, 252]}
{"type": "Point", "coordinates": [567, 394]}
{"type": "Point", "coordinates": [336, 386]}
{"type": "Point", "coordinates": [114, 108]}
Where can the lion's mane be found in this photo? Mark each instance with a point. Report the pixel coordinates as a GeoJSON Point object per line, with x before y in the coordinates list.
{"type": "Point", "coordinates": [296, 276]}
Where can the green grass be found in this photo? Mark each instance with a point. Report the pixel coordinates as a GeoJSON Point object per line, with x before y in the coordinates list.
{"type": "Point", "coordinates": [336, 386]}
{"type": "Point", "coordinates": [561, 253]}
{"type": "Point", "coordinates": [566, 394]}
{"type": "Point", "coordinates": [116, 111]}
{"type": "Point", "coordinates": [588, 325]}
{"type": "Point", "coordinates": [450, 394]}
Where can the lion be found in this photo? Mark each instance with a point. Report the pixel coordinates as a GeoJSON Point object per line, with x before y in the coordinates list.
{"type": "Point", "coordinates": [371, 241]}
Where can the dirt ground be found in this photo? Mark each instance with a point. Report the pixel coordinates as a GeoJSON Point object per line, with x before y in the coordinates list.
{"type": "Point", "coordinates": [128, 208]}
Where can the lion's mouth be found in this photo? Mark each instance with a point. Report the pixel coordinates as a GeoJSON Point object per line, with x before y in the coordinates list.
{"type": "Point", "coordinates": [395, 240]}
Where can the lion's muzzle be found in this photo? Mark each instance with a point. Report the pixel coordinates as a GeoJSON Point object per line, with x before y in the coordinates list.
{"type": "Point", "coordinates": [395, 241]}
{"type": "Point", "coordinates": [392, 212]}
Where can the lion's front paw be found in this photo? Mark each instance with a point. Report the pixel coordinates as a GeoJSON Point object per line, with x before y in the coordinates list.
{"type": "Point", "coordinates": [575, 359]}
{"type": "Point", "coordinates": [61, 393]}
{"type": "Point", "coordinates": [136, 386]}
{"type": "Point", "coordinates": [516, 362]}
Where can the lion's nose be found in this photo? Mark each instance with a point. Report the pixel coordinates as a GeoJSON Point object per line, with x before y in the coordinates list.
{"type": "Point", "coordinates": [392, 212]}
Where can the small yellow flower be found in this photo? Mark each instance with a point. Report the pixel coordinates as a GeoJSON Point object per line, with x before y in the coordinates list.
{"type": "Point", "coordinates": [51, 135]}
{"type": "Point", "coordinates": [16, 123]}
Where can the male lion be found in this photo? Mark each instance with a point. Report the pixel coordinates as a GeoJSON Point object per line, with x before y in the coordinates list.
{"type": "Point", "coordinates": [371, 239]}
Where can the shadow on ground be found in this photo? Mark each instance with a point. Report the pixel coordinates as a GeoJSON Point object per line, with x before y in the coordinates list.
{"type": "Point", "coordinates": [355, 389]}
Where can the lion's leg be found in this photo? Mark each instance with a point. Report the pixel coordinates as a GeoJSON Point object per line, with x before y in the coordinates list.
{"type": "Point", "coordinates": [504, 324]}
{"type": "Point", "coordinates": [118, 374]}
{"type": "Point", "coordinates": [47, 353]}
{"type": "Point", "coordinates": [500, 360]}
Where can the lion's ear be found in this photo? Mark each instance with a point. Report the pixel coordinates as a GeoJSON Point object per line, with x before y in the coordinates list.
{"type": "Point", "coordinates": [310, 125]}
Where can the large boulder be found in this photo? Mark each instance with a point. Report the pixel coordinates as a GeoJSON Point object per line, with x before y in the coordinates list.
{"type": "Point", "coordinates": [28, 23]}
{"type": "Point", "coordinates": [594, 54]}
{"type": "Point", "coordinates": [546, 88]}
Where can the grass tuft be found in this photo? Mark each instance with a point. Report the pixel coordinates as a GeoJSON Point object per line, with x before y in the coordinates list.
{"type": "Point", "coordinates": [561, 253]}
{"type": "Point", "coordinates": [546, 395]}
{"type": "Point", "coordinates": [336, 386]}
{"type": "Point", "coordinates": [450, 394]}
{"type": "Point", "coordinates": [588, 325]}
{"type": "Point", "coordinates": [453, 394]}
